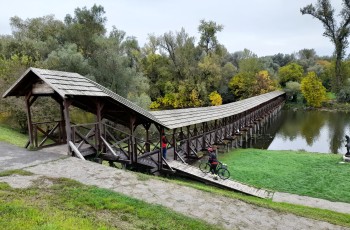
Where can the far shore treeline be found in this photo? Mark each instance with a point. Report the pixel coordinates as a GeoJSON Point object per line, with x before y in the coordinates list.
{"type": "Point", "coordinates": [172, 70]}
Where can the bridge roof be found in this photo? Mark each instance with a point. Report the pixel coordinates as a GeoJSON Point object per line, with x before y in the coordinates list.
{"type": "Point", "coordinates": [67, 84]}
{"type": "Point", "coordinates": [82, 89]}
{"type": "Point", "coordinates": [184, 117]}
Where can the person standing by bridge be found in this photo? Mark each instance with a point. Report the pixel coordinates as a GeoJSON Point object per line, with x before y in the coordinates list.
{"type": "Point", "coordinates": [213, 160]}
{"type": "Point", "coordinates": [164, 145]}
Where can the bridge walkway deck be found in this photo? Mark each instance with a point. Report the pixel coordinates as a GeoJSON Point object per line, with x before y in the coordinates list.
{"type": "Point", "coordinates": [196, 173]}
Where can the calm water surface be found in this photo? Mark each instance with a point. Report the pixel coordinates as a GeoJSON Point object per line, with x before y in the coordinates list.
{"type": "Point", "coordinates": [312, 131]}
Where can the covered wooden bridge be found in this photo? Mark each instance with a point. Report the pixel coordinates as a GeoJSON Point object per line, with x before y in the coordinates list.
{"type": "Point", "coordinates": [126, 133]}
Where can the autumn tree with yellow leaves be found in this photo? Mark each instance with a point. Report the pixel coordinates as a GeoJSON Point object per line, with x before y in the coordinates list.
{"type": "Point", "coordinates": [313, 90]}
{"type": "Point", "coordinates": [215, 98]}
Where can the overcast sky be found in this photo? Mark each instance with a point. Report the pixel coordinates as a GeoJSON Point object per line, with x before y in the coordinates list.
{"type": "Point", "coordinates": [265, 27]}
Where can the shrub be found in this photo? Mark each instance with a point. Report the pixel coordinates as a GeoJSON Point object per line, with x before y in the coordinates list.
{"type": "Point", "coordinates": [344, 94]}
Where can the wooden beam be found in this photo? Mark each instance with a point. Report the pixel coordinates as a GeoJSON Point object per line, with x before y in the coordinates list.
{"type": "Point", "coordinates": [76, 150]}
{"type": "Point", "coordinates": [174, 144]}
{"type": "Point", "coordinates": [160, 154]}
{"type": "Point", "coordinates": [148, 146]}
{"type": "Point", "coordinates": [63, 133]}
{"type": "Point", "coordinates": [42, 88]}
{"type": "Point", "coordinates": [132, 151]}
{"type": "Point", "coordinates": [66, 104]}
{"type": "Point", "coordinates": [29, 118]}
{"type": "Point", "coordinates": [98, 132]}
{"type": "Point", "coordinates": [188, 149]}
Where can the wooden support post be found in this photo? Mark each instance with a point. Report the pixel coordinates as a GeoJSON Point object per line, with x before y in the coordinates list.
{"type": "Point", "coordinates": [216, 132]}
{"type": "Point", "coordinates": [203, 136]}
{"type": "Point", "coordinates": [132, 152]}
{"type": "Point", "coordinates": [195, 133]}
{"type": "Point", "coordinates": [29, 118]}
{"type": "Point", "coordinates": [62, 132]}
{"type": "Point", "coordinates": [160, 155]}
{"type": "Point", "coordinates": [188, 141]}
{"type": "Point", "coordinates": [66, 104]}
{"type": "Point", "coordinates": [174, 144]}
{"type": "Point", "coordinates": [225, 127]}
{"type": "Point", "coordinates": [147, 144]}
{"type": "Point", "coordinates": [99, 108]}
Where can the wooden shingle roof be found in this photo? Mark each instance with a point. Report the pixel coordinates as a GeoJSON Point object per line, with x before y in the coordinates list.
{"type": "Point", "coordinates": [67, 83]}
{"type": "Point", "coordinates": [184, 117]}
{"type": "Point", "coordinates": [73, 84]}
{"type": "Point", "coordinates": [63, 83]}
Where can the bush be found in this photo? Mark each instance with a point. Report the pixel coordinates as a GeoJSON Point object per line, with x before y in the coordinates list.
{"type": "Point", "coordinates": [313, 90]}
{"type": "Point", "coordinates": [344, 94]}
{"type": "Point", "coordinates": [292, 90]}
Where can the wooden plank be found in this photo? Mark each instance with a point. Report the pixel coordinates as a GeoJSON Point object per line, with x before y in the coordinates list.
{"type": "Point", "coordinates": [76, 151]}
{"type": "Point", "coordinates": [234, 185]}
{"type": "Point", "coordinates": [42, 88]}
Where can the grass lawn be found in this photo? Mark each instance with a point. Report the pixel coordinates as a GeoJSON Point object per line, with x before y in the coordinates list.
{"type": "Point", "coordinates": [12, 136]}
{"type": "Point", "coordinates": [309, 174]}
{"type": "Point", "coordinates": [70, 205]}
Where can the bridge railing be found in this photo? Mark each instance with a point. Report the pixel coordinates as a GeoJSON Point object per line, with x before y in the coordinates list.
{"type": "Point", "coordinates": [85, 138]}
{"type": "Point", "coordinates": [48, 133]}
{"type": "Point", "coordinates": [118, 139]}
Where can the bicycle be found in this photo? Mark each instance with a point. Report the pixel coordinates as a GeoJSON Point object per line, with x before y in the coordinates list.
{"type": "Point", "coordinates": [221, 169]}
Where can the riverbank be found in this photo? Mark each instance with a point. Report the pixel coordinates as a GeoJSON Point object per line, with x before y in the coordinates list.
{"type": "Point", "coordinates": [330, 105]}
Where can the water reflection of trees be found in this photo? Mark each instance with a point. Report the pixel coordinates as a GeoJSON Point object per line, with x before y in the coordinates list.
{"type": "Point", "coordinates": [311, 126]}
{"type": "Point", "coordinates": [337, 123]}
{"type": "Point", "coordinates": [307, 124]}
{"type": "Point", "coordinates": [289, 129]}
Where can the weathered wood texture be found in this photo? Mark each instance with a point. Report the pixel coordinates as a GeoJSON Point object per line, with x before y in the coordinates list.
{"type": "Point", "coordinates": [230, 184]}
{"type": "Point", "coordinates": [184, 117]}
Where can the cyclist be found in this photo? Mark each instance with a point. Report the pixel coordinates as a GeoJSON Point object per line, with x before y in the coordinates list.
{"type": "Point", "coordinates": [213, 160]}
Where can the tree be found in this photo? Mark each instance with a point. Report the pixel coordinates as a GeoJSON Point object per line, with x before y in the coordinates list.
{"type": "Point", "coordinates": [39, 29]}
{"type": "Point", "coordinates": [111, 67]}
{"type": "Point", "coordinates": [338, 34]}
{"type": "Point", "coordinates": [290, 72]}
{"type": "Point", "coordinates": [241, 84]}
{"type": "Point", "coordinates": [68, 59]}
{"type": "Point", "coordinates": [313, 90]}
{"type": "Point", "coordinates": [35, 37]}
{"type": "Point", "coordinates": [241, 55]}
{"type": "Point", "coordinates": [292, 90]}
{"type": "Point", "coordinates": [283, 59]}
{"type": "Point", "coordinates": [84, 27]}
{"type": "Point", "coordinates": [210, 71]}
{"type": "Point", "coordinates": [208, 40]}
{"type": "Point", "coordinates": [13, 109]}
{"type": "Point", "coordinates": [228, 70]}
{"type": "Point", "coordinates": [307, 54]}
{"type": "Point", "coordinates": [179, 48]}
{"type": "Point", "coordinates": [250, 65]}
{"type": "Point", "coordinates": [215, 98]}
{"type": "Point", "coordinates": [327, 73]}
{"type": "Point", "coordinates": [263, 83]}
{"type": "Point", "coordinates": [307, 58]}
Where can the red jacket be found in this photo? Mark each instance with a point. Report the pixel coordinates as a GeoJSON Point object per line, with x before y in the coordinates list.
{"type": "Point", "coordinates": [164, 142]}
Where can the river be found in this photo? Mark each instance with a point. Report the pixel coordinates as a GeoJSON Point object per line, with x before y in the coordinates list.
{"type": "Point", "coordinates": [311, 131]}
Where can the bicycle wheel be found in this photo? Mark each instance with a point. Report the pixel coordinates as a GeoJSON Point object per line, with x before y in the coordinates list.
{"type": "Point", "coordinates": [223, 173]}
{"type": "Point", "coordinates": [204, 167]}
